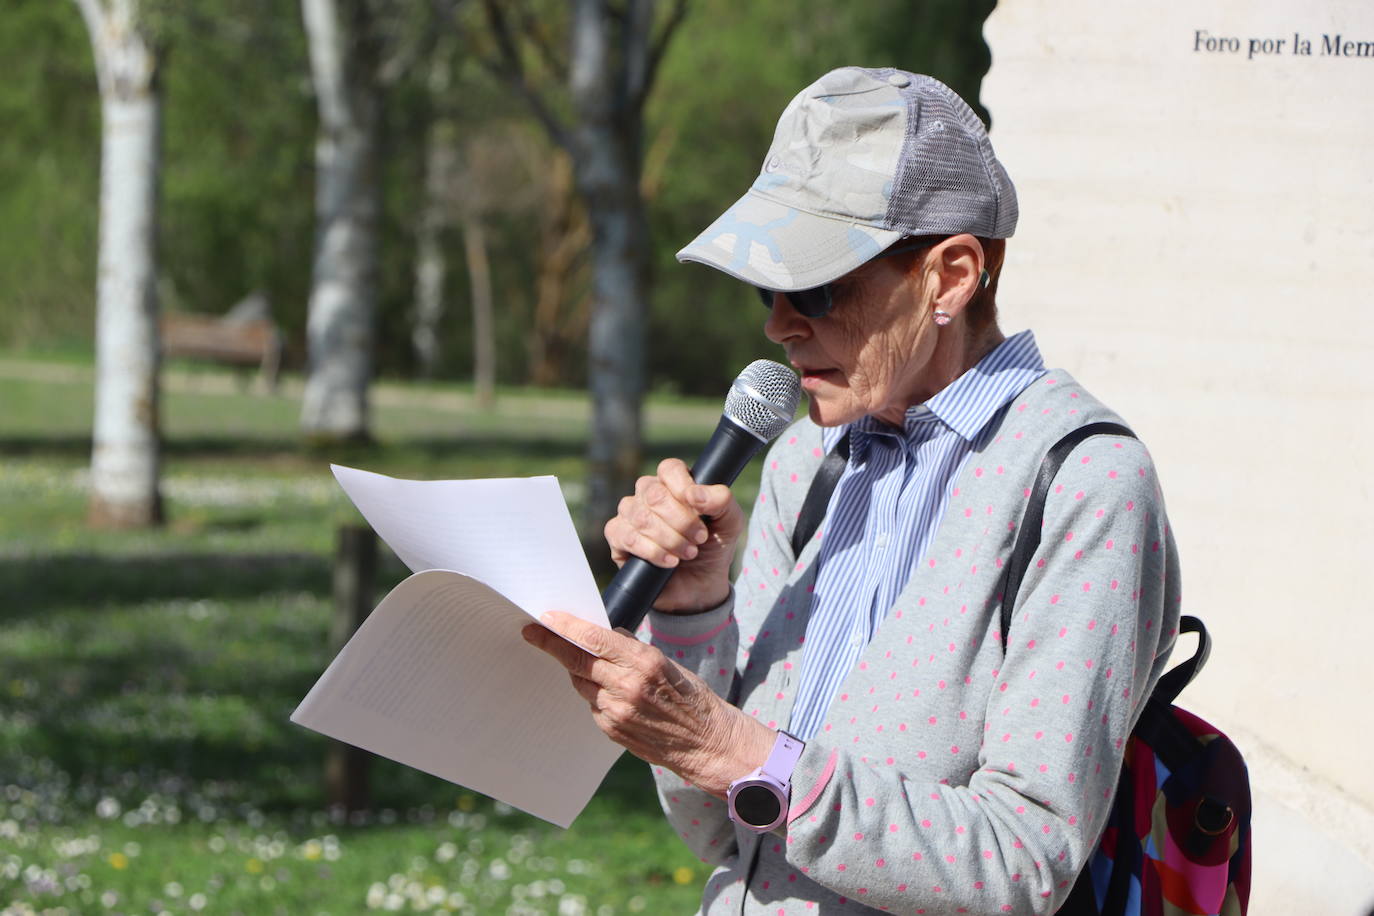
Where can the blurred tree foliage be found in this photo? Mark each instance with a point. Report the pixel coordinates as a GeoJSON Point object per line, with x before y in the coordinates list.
{"type": "Point", "coordinates": [49, 170]}
{"type": "Point", "coordinates": [238, 168]}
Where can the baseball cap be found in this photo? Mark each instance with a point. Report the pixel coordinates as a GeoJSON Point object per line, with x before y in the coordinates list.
{"type": "Point", "coordinates": [860, 158]}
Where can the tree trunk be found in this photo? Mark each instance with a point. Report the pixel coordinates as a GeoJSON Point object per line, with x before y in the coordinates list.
{"type": "Point", "coordinates": [563, 237]}
{"type": "Point", "coordinates": [339, 326]}
{"type": "Point", "coordinates": [125, 454]}
{"type": "Point", "coordinates": [606, 159]}
{"type": "Point", "coordinates": [483, 324]}
{"type": "Point", "coordinates": [431, 263]}
{"type": "Point", "coordinates": [615, 350]}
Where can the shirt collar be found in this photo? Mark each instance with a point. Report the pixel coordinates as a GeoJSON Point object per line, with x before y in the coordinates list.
{"type": "Point", "coordinates": [966, 405]}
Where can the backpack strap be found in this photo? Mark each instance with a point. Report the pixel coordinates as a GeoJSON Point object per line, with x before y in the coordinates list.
{"type": "Point", "coordinates": [818, 495]}
{"type": "Point", "coordinates": [1028, 537]}
{"type": "Point", "coordinates": [1172, 682]}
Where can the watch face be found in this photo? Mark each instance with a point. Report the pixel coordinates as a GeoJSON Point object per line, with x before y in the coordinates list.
{"type": "Point", "coordinates": [757, 806]}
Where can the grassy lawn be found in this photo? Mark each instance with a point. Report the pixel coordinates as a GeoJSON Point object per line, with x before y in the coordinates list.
{"type": "Point", "coordinates": [146, 760]}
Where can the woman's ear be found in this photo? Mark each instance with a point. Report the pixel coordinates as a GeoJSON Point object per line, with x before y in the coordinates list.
{"type": "Point", "coordinates": [955, 270]}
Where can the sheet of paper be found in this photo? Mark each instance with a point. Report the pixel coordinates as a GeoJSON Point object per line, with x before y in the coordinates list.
{"type": "Point", "coordinates": [514, 534]}
{"type": "Point", "coordinates": [439, 678]}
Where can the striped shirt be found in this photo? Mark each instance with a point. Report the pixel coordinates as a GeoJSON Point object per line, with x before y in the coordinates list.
{"type": "Point", "coordinates": [885, 510]}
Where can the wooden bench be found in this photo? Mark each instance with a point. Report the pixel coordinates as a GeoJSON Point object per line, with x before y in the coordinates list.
{"type": "Point", "coordinates": [233, 341]}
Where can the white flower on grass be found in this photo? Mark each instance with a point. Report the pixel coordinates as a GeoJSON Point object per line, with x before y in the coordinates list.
{"type": "Point", "coordinates": [109, 899]}
{"type": "Point", "coordinates": [107, 808]}
{"type": "Point", "coordinates": [445, 852]}
{"type": "Point", "coordinates": [572, 905]}
{"type": "Point", "coordinates": [376, 894]}
{"type": "Point", "coordinates": [173, 889]}
{"type": "Point", "coordinates": [393, 903]}
{"type": "Point", "coordinates": [197, 902]}
{"type": "Point", "coordinates": [498, 870]}
{"type": "Point", "coordinates": [73, 848]}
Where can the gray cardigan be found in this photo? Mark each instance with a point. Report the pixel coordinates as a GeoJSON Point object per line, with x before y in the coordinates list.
{"type": "Point", "coordinates": [949, 777]}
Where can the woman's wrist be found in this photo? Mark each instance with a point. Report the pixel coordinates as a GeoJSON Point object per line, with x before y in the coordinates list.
{"type": "Point", "coordinates": [700, 604]}
{"type": "Point", "coordinates": [742, 747]}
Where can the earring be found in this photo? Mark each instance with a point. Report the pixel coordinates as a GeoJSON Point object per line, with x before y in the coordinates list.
{"type": "Point", "coordinates": [942, 317]}
{"type": "Point", "coordinates": [985, 279]}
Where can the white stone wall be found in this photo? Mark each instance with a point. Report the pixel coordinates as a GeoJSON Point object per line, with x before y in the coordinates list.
{"type": "Point", "coordinates": [1197, 246]}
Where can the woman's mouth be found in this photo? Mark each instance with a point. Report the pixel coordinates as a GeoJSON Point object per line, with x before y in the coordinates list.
{"type": "Point", "coordinates": [812, 377]}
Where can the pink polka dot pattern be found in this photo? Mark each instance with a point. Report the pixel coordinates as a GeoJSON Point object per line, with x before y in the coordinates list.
{"type": "Point", "coordinates": [949, 777]}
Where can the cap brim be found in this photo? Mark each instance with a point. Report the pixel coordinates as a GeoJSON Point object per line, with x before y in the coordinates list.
{"type": "Point", "coordinates": [772, 245]}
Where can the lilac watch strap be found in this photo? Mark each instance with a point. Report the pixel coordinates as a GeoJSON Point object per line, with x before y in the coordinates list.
{"type": "Point", "coordinates": [783, 759]}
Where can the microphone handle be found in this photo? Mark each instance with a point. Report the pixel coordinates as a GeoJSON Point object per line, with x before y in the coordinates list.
{"type": "Point", "coordinates": [638, 584]}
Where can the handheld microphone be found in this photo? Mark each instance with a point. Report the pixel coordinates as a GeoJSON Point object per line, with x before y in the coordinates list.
{"type": "Point", "coordinates": [760, 405]}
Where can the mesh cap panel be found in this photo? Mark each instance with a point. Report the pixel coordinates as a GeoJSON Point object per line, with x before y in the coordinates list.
{"type": "Point", "coordinates": [948, 180]}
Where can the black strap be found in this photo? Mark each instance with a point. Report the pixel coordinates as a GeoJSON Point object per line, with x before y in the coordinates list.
{"type": "Point", "coordinates": [1172, 682]}
{"type": "Point", "coordinates": [1028, 537]}
{"type": "Point", "coordinates": [818, 496]}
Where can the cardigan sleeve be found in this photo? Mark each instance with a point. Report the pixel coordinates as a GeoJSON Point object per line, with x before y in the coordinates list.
{"type": "Point", "coordinates": [705, 644]}
{"type": "Point", "coordinates": [708, 644]}
{"type": "Point", "coordinates": [1093, 623]}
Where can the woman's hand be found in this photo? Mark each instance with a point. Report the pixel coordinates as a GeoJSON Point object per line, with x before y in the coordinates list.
{"type": "Point", "coordinates": [652, 706]}
{"type": "Point", "coordinates": [672, 521]}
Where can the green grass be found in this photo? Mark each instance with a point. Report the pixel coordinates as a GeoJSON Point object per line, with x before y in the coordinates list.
{"type": "Point", "coordinates": [147, 763]}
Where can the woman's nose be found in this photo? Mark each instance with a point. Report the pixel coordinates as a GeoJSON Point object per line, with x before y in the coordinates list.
{"type": "Point", "coordinates": [784, 322]}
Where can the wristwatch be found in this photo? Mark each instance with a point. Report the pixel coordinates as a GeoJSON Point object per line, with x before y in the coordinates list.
{"type": "Point", "coordinates": [759, 801]}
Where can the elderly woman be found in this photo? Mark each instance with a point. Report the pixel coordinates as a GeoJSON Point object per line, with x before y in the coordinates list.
{"type": "Point", "coordinates": [888, 750]}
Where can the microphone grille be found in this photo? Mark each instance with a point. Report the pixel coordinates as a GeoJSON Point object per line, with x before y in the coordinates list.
{"type": "Point", "coordinates": [763, 398]}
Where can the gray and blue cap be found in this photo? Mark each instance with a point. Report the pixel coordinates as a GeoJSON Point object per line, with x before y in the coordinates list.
{"type": "Point", "coordinates": [860, 159]}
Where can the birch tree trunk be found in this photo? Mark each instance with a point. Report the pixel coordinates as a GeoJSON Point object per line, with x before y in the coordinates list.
{"type": "Point", "coordinates": [607, 81]}
{"type": "Point", "coordinates": [612, 64]}
{"type": "Point", "coordinates": [339, 325]}
{"type": "Point", "coordinates": [125, 454]}
{"type": "Point", "coordinates": [431, 263]}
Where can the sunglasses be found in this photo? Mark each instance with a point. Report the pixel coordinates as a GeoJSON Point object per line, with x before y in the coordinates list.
{"type": "Point", "coordinates": [818, 301]}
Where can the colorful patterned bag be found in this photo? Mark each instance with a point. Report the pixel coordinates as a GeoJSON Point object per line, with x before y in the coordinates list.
{"type": "Point", "coordinates": [1178, 838]}
{"type": "Point", "coordinates": [1177, 841]}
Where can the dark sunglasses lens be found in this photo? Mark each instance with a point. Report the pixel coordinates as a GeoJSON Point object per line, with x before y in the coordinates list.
{"type": "Point", "coordinates": [813, 303]}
